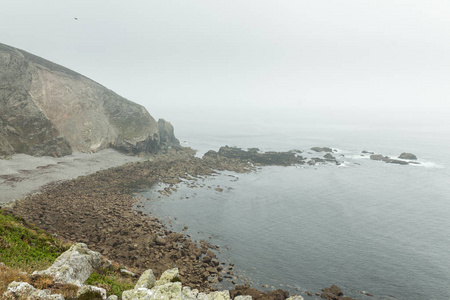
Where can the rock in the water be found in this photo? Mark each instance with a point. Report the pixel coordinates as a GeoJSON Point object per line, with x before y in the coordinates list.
{"type": "Point", "coordinates": [333, 293]}
{"type": "Point", "coordinates": [367, 152]}
{"type": "Point", "coordinates": [322, 149]}
{"type": "Point", "coordinates": [329, 156]}
{"type": "Point", "coordinates": [378, 157]}
{"type": "Point", "coordinates": [46, 109]}
{"type": "Point", "coordinates": [73, 266]}
{"type": "Point", "coordinates": [265, 159]}
{"type": "Point", "coordinates": [387, 159]}
{"type": "Point", "coordinates": [407, 156]}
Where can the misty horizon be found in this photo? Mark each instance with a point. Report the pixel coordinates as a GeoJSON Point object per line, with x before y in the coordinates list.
{"type": "Point", "coordinates": [348, 60]}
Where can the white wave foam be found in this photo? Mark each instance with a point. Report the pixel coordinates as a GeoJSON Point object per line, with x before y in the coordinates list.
{"type": "Point", "coordinates": [428, 164]}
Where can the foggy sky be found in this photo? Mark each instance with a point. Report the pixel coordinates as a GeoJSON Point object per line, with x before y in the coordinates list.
{"type": "Point", "coordinates": [291, 55]}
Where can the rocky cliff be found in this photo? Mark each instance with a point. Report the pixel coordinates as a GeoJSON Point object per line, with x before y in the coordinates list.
{"type": "Point", "coordinates": [46, 109]}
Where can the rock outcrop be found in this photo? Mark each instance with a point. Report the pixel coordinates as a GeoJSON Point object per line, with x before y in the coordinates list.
{"type": "Point", "coordinates": [322, 149]}
{"type": "Point", "coordinates": [255, 157]}
{"type": "Point", "coordinates": [168, 287]}
{"type": "Point", "coordinates": [23, 290]}
{"type": "Point", "coordinates": [73, 266]}
{"type": "Point", "coordinates": [409, 156]}
{"type": "Point", "coordinates": [46, 109]}
{"type": "Point", "coordinates": [387, 159]}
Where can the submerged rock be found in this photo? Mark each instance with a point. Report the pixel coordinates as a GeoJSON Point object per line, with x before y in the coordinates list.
{"type": "Point", "coordinates": [322, 149]}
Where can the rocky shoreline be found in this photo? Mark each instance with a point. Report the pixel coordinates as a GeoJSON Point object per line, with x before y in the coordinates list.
{"type": "Point", "coordinates": [97, 210]}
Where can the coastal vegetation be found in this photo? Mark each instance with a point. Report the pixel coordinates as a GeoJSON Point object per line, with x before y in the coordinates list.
{"type": "Point", "coordinates": [25, 248]}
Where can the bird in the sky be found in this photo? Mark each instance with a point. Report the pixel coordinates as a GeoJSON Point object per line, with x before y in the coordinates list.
{"type": "Point", "coordinates": [76, 18]}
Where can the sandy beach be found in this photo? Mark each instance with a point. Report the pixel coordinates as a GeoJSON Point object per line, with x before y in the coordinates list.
{"type": "Point", "coordinates": [23, 174]}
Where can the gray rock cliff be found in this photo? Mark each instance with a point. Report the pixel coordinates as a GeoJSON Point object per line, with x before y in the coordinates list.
{"type": "Point", "coordinates": [46, 109]}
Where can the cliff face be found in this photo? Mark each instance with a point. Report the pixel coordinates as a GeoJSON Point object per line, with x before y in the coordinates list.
{"type": "Point", "coordinates": [46, 109]}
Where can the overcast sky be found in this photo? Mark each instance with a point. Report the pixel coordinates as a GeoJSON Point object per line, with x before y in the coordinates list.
{"type": "Point", "coordinates": [293, 55]}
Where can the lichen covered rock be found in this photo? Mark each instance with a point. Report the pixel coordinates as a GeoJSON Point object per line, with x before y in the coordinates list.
{"type": "Point", "coordinates": [73, 266]}
{"type": "Point", "coordinates": [23, 290]}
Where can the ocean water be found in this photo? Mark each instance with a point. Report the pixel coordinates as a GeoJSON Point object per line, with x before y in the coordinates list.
{"type": "Point", "coordinates": [364, 226]}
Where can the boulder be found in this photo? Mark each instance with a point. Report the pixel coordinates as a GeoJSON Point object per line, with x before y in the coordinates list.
{"type": "Point", "coordinates": [222, 295]}
{"type": "Point", "coordinates": [23, 290]}
{"type": "Point", "coordinates": [73, 266]}
{"type": "Point", "coordinates": [333, 293]}
{"type": "Point", "coordinates": [171, 290]}
{"type": "Point", "coordinates": [146, 281]}
{"type": "Point", "coordinates": [247, 297]}
{"type": "Point", "coordinates": [91, 292]}
{"type": "Point", "coordinates": [329, 156]}
{"type": "Point", "coordinates": [168, 276]}
{"type": "Point", "coordinates": [295, 297]}
{"type": "Point", "coordinates": [378, 157]}
{"type": "Point", "coordinates": [409, 156]}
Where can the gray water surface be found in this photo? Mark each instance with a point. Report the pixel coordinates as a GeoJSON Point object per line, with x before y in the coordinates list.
{"type": "Point", "coordinates": [364, 226]}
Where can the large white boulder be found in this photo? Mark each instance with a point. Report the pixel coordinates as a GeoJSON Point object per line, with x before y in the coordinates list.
{"type": "Point", "coordinates": [73, 266]}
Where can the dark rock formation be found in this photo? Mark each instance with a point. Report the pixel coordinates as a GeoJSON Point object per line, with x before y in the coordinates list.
{"type": "Point", "coordinates": [265, 159]}
{"type": "Point", "coordinates": [258, 295]}
{"type": "Point", "coordinates": [322, 149]}
{"type": "Point", "coordinates": [367, 152]}
{"type": "Point", "coordinates": [46, 109]}
{"type": "Point", "coordinates": [407, 156]}
{"type": "Point", "coordinates": [329, 156]}
{"type": "Point", "coordinates": [387, 159]}
{"type": "Point", "coordinates": [166, 135]}
{"type": "Point", "coordinates": [333, 293]}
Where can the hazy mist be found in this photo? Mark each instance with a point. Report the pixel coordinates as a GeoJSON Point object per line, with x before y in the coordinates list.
{"type": "Point", "coordinates": [353, 61]}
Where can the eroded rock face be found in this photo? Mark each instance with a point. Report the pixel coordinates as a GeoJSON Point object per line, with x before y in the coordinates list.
{"type": "Point", "coordinates": [73, 266]}
{"type": "Point", "coordinates": [46, 109]}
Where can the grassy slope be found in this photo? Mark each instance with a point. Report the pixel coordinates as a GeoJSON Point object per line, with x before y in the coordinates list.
{"type": "Point", "coordinates": [26, 248]}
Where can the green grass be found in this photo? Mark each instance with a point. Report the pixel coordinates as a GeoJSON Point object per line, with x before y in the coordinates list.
{"type": "Point", "coordinates": [25, 246]}
{"type": "Point", "coordinates": [111, 280]}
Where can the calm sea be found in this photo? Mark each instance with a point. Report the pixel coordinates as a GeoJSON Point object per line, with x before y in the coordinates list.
{"type": "Point", "coordinates": [364, 226]}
